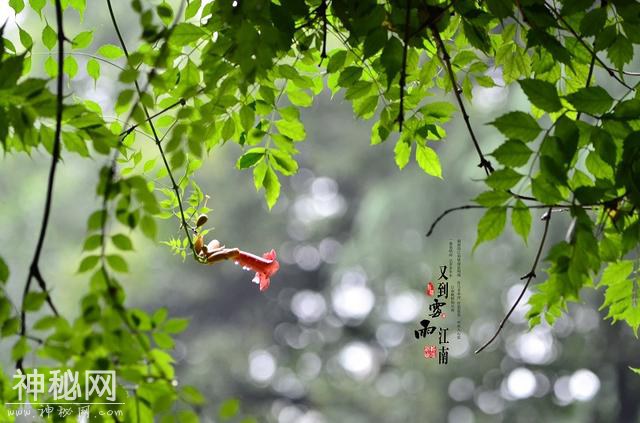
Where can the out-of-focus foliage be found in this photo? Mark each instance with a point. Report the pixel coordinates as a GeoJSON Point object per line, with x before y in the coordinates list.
{"type": "Point", "coordinates": [206, 74]}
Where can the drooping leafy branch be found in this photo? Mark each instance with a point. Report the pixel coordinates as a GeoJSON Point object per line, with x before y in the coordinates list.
{"type": "Point", "coordinates": [239, 72]}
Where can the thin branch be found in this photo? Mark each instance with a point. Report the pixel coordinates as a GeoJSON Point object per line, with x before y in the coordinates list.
{"type": "Point", "coordinates": [433, 20]}
{"type": "Point", "coordinates": [323, 10]}
{"type": "Point", "coordinates": [403, 71]}
{"type": "Point", "coordinates": [175, 187]}
{"type": "Point", "coordinates": [130, 129]}
{"type": "Point", "coordinates": [553, 207]}
{"type": "Point", "coordinates": [446, 212]}
{"type": "Point", "coordinates": [586, 45]}
{"type": "Point", "coordinates": [34, 271]}
{"type": "Point", "coordinates": [529, 276]}
{"type": "Point", "coordinates": [484, 163]}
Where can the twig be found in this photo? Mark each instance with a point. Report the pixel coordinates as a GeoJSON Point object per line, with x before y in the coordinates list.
{"type": "Point", "coordinates": [130, 129]}
{"type": "Point", "coordinates": [484, 163]}
{"type": "Point", "coordinates": [175, 187]}
{"type": "Point", "coordinates": [529, 276]}
{"type": "Point", "coordinates": [591, 50]}
{"type": "Point", "coordinates": [34, 270]}
{"type": "Point", "coordinates": [403, 71]}
{"type": "Point", "coordinates": [323, 8]}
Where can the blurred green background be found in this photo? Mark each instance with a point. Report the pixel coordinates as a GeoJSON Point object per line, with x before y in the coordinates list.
{"type": "Point", "coordinates": [332, 339]}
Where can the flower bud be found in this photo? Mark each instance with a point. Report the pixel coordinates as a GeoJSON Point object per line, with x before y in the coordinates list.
{"type": "Point", "coordinates": [198, 244]}
{"type": "Point", "coordinates": [202, 219]}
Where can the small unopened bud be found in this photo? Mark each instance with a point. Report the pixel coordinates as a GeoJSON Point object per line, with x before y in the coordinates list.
{"type": "Point", "coordinates": [213, 246]}
{"type": "Point", "coordinates": [201, 220]}
{"type": "Point", "coordinates": [198, 244]}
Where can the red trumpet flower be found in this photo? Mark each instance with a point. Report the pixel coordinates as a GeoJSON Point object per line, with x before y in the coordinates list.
{"type": "Point", "coordinates": [264, 266]}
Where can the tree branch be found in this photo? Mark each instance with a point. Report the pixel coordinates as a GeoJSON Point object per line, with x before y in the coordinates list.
{"type": "Point", "coordinates": [181, 102]}
{"type": "Point", "coordinates": [586, 45]}
{"type": "Point", "coordinates": [403, 71]}
{"type": "Point", "coordinates": [34, 271]}
{"type": "Point", "coordinates": [174, 186]}
{"type": "Point", "coordinates": [323, 9]}
{"type": "Point", "coordinates": [484, 163]}
{"type": "Point", "coordinates": [529, 276]}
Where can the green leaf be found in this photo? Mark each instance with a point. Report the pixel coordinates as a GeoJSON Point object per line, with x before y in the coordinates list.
{"type": "Point", "coordinates": [10, 326]}
{"type": "Point", "coordinates": [336, 61]}
{"type": "Point", "coordinates": [228, 129]}
{"type": "Point", "coordinates": [4, 271]}
{"type": "Point", "coordinates": [163, 340]}
{"type": "Point", "coordinates": [541, 94]}
{"type": "Point", "coordinates": [503, 179]}
{"type": "Point", "coordinates": [292, 129]}
{"type": "Point", "coordinates": [374, 42]}
{"type": "Point", "coordinates": [247, 117]}
{"type": "Point", "coordinates": [93, 69]}
{"type": "Point", "coordinates": [259, 173]}
{"type": "Point", "coordinates": [492, 198]}
{"type": "Point", "coordinates": [476, 35]}
{"type": "Point", "coordinates": [70, 66]}
{"type": "Point", "coordinates": [513, 153]}
{"type": "Point", "coordinates": [192, 396]}
{"type": "Point", "coordinates": [593, 21]}
{"type": "Point", "coordinates": [20, 349]}
{"type": "Point", "coordinates": [92, 242]}
{"type": "Point", "coordinates": [110, 51]}
{"type": "Point", "coordinates": [391, 58]}
{"type": "Point", "coordinates": [402, 152]}
{"type": "Point", "coordinates": [428, 160]}
{"type": "Point", "coordinates": [299, 98]}
{"type": "Point", "coordinates": [38, 5]}
{"type": "Point", "coordinates": [80, 6]}
{"type": "Point", "coordinates": [521, 220]}
{"type": "Point", "coordinates": [440, 111]}
{"type": "Point", "coordinates": [283, 162]}
{"type": "Point", "coordinates": [88, 263]}
{"type": "Point", "coordinates": [518, 125]}
{"type": "Point", "coordinates": [175, 325]}
{"type": "Point", "coordinates": [117, 263]}
{"type": "Point", "coordinates": [185, 33]}
{"type": "Point", "coordinates": [545, 191]}
{"type": "Point", "coordinates": [620, 52]}
{"type": "Point", "coordinates": [49, 37]}
{"type": "Point", "coordinates": [250, 158]}
{"type": "Point", "coordinates": [122, 242]}
{"type": "Point", "coordinates": [491, 225]}
{"type": "Point", "coordinates": [25, 38]}
{"type": "Point", "coordinates": [271, 187]}
{"type": "Point", "coordinates": [82, 40]}
{"type": "Point", "coordinates": [229, 409]}
{"type": "Point", "coordinates": [34, 300]}
{"type": "Point", "coordinates": [192, 8]}
{"type": "Point", "coordinates": [620, 293]}
{"type": "Point", "coordinates": [500, 8]}
{"type": "Point", "coordinates": [16, 5]}
{"type": "Point", "coordinates": [149, 228]}
{"type": "Point", "coordinates": [591, 100]}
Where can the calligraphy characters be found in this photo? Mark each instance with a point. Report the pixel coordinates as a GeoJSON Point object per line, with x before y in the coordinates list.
{"type": "Point", "coordinates": [436, 311]}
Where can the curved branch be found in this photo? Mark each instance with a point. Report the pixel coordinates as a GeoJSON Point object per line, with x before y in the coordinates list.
{"type": "Point", "coordinates": [591, 50]}
{"type": "Point", "coordinates": [174, 186]}
{"type": "Point", "coordinates": [529, 276]}
{"type": "Point", "coordinates": [34, 270]}
{"type": "Point", "coordinates": [484, 163]}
